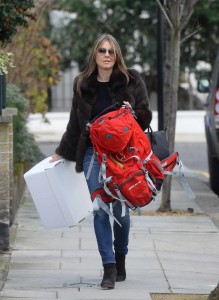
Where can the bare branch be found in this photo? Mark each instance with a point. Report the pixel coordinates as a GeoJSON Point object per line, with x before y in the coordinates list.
{"type": "Point", "coordinates": [185, 18]}
{"type": "Point", "coordinates": [190, 35]}
{"type": "Point", "coordinates": [165, 13]}
{"type": "Point", "coordinates": [187, 12]}
{"type": "Point", "coordinates": [194, 2]}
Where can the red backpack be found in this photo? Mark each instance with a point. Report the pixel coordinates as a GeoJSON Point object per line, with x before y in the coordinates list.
{"type": "Point", "coordinates": [129, 170]}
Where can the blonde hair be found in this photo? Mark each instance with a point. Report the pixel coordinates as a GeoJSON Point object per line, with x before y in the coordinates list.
{"type": "Point", "coordinates": [92, 66]}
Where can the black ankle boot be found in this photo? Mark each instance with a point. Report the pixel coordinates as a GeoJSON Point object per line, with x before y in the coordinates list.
{"type": "Point", "coordinates": [109, 277]}
{"type": "Point", "coordinates": [120, 267]}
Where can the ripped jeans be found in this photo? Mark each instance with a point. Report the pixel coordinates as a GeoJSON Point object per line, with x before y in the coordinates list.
{"type": "Point", "coordinates": [102, 224]}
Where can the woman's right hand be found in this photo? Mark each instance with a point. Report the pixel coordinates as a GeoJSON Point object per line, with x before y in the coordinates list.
{"type": "Point", "coordinates": [55, 157]}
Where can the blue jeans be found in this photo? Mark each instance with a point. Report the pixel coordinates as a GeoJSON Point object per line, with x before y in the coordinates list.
{"type": "Point", "coordinates": [102, 225]}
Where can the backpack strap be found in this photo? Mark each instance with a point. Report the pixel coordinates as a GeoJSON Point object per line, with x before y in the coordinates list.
{"type": "Point", "coordinates": [123, 200]}
{"type": "Point", "coordinates": [102, 174]}
{"type": "Point", "coordinates": [99, 203]}
{"type": "Point", "coordinates": [90, 166]}
{"type": "Point", "coordinates": [151, 185]}
{"type": "Point", "coordinates": [147, 158]}
{"type": "Point", "coordinates": [182, 179]}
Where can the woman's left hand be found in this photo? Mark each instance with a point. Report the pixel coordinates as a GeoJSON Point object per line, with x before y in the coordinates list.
{"type": "Point", "coordinates": [127, 104]}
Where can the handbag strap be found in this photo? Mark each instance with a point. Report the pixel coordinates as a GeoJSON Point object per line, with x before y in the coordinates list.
{"type": "Point", "coordinates": [150, 130]}
{"type": "Point", "coordinates": [151, 133]}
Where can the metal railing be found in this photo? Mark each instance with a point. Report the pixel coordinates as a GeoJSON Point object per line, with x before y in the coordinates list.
{"type": "Point", "coordinates": [2, 93]}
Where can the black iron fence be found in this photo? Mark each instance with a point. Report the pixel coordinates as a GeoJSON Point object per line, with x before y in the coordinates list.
{"type": "Point", "coordinates": [2, 92]}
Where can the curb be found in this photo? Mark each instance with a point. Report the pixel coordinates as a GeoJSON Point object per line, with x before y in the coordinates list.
{"type": "Point", "coordinates": [5, 258]}
{"type": "Point", "coordinates": [4, 267]}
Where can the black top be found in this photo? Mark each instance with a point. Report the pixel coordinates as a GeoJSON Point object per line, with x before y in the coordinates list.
{"type": "Point", "coordinates": [103, 99]}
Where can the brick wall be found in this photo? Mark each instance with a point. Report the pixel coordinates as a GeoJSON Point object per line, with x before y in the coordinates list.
{"type": "Point", "coordinates": [6, 176]}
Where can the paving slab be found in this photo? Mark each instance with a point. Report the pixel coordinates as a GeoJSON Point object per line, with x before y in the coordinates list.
{"type": "Point", "coordinates": [18, 298]}
{"type": "Point", "coordinates": [21, 266]}
{"type": "Point", "coordinates": [23, 294]}
{"type": "Point", "coordinates": [203, 281]}
{"type": "Point", "coordinates": [189, 262]}
{"type": "Point", "coordinates": [46, 243]}
{"type": "Point", "coordinates": [97, 294]}
{"type": "Point", "coordinates": [188, 243]}
{"type": "Point", "coordinates": [35, 253]}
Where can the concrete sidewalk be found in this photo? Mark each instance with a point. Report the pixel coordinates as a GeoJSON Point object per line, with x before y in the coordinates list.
{"type": "Point", "coordinates": [188, 124]}
{"type": "Point", "coordinates": [167, 254]}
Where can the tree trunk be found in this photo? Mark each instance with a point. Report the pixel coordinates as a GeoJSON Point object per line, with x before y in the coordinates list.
{"type": "Point", "coordinates": [214, 295]}
{"type": "Point", "coordinates": [177, 14]}
{"type": "Point", "coordinates": [171, 93]}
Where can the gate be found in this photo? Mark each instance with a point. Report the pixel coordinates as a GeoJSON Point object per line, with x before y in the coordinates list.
{"type": "Point", "coordinates": [61, 94]}
{"type": "Point", "coordinates": [2, 92]}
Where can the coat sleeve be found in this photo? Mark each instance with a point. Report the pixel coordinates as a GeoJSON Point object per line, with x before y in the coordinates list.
{"type": "Point", "coordinates": [68, 145]}
{"type": "Point", "coordinates": [142, 105]}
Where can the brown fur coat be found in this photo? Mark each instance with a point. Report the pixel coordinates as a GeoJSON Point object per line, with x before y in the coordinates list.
{"type": "Point", "coordinates": [74, 140]}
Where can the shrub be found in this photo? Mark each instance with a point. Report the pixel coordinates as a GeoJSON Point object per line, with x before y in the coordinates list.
{"type": "Point", "coordinates": [14, 13]}
{"type": "Point", "coordinates": [6, 60]}
{"type": "Point", "coordinates": [25, 147]}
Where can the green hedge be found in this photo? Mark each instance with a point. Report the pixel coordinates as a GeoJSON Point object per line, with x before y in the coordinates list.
{"type": "Point", "coordinates": [25, 147]}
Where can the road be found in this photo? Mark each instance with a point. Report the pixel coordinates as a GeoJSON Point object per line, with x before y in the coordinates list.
{"type": "Point", "coordinates": [194, 157]}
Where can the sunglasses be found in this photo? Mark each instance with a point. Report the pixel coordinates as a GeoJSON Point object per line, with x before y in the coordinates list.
{"type": "Point", "coordinates": [104, 50]}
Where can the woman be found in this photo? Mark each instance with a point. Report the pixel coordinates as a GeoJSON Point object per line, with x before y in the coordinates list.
{"type": "Point", "coordinates": [105, 81]}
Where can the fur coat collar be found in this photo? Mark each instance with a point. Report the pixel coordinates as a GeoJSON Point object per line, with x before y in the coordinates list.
{"type": "Point", "coordinates": [118, 88]}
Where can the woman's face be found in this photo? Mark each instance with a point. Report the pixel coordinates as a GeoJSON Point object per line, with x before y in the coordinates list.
{"type": "Point", "coordinates": [105, 57]}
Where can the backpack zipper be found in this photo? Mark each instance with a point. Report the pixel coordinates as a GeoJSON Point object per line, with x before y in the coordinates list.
{"type": "Point", "coordinates": [116, 116]}
{"type": "Point", "coordinates": [121, 113]}
{"type": "Point", "coordinates": [117, 162]}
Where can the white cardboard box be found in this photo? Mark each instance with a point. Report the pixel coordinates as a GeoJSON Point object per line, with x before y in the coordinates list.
{"type": "Point", "coordinates": [60, 194]}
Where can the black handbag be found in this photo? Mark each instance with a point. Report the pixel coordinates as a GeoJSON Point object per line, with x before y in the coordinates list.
{"type": "Point", "coordinates": [159, 142]}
